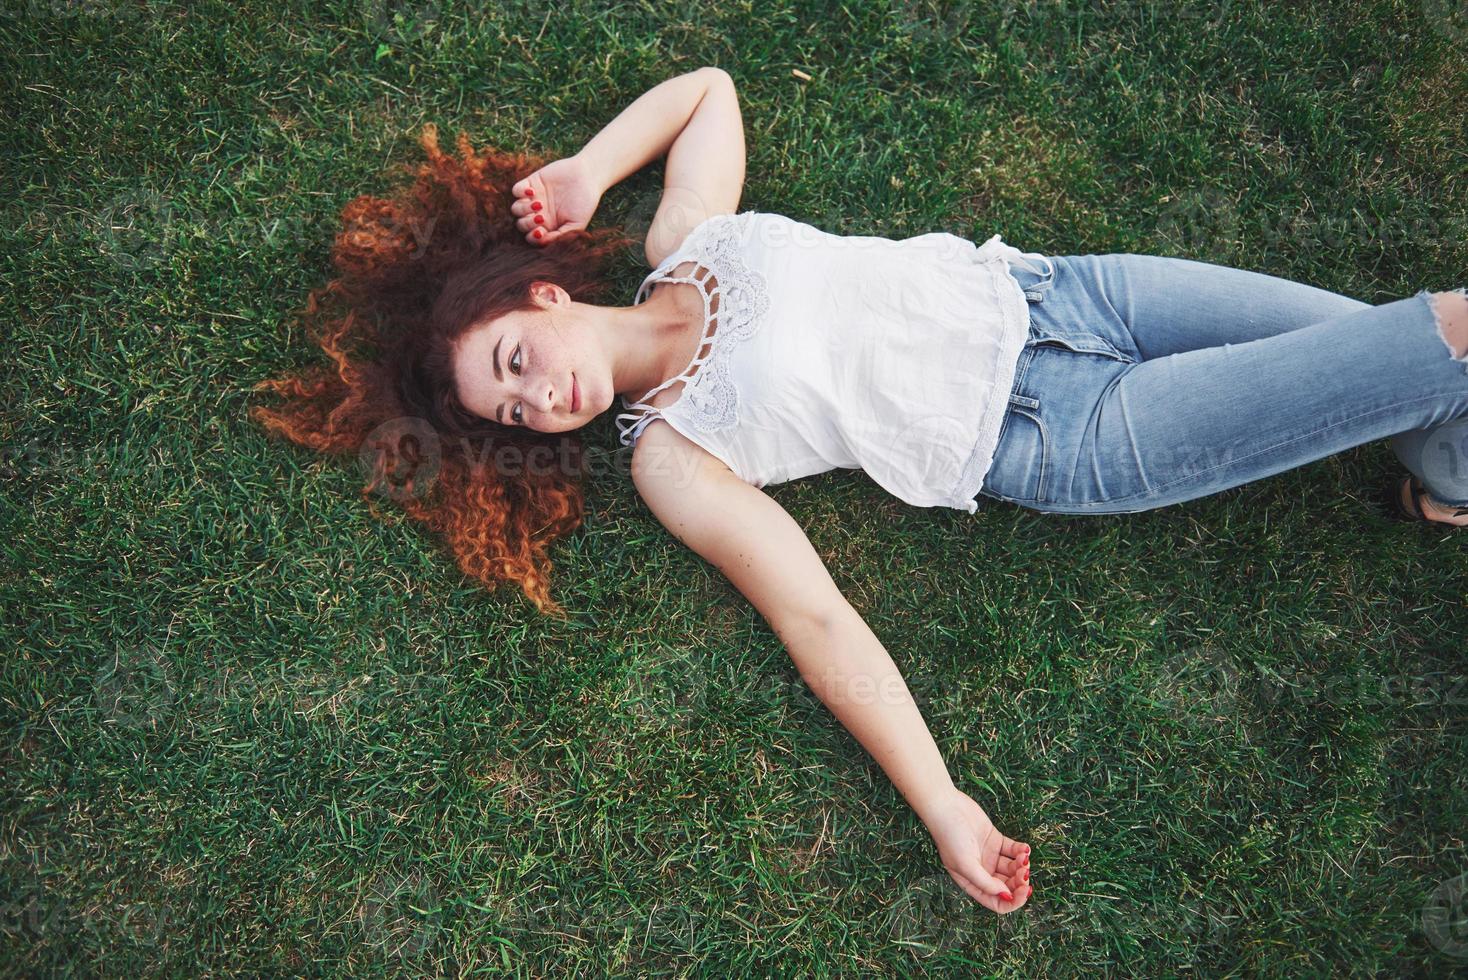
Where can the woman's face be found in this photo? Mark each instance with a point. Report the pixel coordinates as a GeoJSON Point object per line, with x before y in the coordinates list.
{"type": "Point", "coordinates": [531, 367]}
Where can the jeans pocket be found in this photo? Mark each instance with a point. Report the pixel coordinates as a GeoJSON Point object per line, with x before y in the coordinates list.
{"type": "Point", "coordinates": [1022, 455]}
{"type": "Point", "coordinates": [1082, 343]}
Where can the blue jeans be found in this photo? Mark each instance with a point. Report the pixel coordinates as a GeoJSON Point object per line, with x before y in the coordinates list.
{"type": "Point", "coordinates": [1148, 381]}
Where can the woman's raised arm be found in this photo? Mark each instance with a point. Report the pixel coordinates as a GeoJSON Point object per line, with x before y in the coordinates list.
{"type": "Point", "coordinates": [694, 118]}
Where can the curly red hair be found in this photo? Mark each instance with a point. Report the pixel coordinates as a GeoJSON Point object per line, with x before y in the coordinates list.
{"type": "Point", "coordinates": [415, 270]}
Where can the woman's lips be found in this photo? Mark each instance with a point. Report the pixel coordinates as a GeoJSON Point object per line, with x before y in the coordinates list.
{"type": "Point", "coordinates": [575, 394]}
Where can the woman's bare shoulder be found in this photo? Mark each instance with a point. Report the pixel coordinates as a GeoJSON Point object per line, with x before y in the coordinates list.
{"type": "Point", "coordinates": [663, 453]}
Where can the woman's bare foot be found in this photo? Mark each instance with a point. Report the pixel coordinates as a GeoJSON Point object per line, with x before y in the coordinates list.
{"type": "Point", "coordinates": [1432, 510]}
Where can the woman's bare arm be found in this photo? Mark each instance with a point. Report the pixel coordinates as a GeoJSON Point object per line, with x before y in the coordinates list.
{"type": "Point", "coordinates": [694, 119]}
{"type": "Point", "coordinates": [751, 539]}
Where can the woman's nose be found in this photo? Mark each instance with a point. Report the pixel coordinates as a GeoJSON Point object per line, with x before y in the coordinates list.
{"type": "Point", "coordinates": [544, 398]}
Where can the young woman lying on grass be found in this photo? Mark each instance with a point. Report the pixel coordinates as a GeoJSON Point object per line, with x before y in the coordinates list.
{"type": "Point", "coordinates": [761, 349]}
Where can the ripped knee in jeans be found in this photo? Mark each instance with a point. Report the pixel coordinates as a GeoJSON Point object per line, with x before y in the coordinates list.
{"type": "Point", "coordinates": [1450, 312]}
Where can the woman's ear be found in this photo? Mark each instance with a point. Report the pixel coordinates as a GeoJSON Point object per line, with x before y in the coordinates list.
{"type": "Point", "coordinates": [545, 293]}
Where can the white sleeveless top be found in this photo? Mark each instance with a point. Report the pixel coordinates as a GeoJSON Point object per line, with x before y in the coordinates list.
{"type": "Point", "coordinates": [850, 351]}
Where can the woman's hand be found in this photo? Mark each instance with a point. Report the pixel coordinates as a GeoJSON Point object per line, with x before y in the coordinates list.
{"type": "Point", "coordinates": [984, 862]}
{"type": "Point", "coordinates": [558, 198]}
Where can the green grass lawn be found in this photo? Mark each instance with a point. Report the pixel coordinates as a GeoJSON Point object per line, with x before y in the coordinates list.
{"type": "Point", "coordinates": [246, 727]}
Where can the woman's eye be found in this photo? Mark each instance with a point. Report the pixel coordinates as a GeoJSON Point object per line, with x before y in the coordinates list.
{"type": "Point", "coordinates": [518, 414]}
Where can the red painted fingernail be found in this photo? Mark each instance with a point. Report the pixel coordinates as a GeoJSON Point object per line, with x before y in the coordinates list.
{"type": "Point", "coordinates": [1006, 896]}
{"type": "Point", "coordinates": [1027, 874]}
{"type": "Point", "coordinates": [529, 192]}
{"type": "Point", "coordinates": [537, 233]}
{"type": "Point", "coordinates": [540, 219]}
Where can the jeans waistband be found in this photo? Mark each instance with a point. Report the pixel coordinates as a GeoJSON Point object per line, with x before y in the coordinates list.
{"type": "Point", "coordinates": [1041, 271]}
{"type": "Point", "coordinates": [1035, 274]}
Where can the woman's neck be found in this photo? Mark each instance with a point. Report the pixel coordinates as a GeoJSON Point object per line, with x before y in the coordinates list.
{"type": "Point", "coordinates": [652, 341]}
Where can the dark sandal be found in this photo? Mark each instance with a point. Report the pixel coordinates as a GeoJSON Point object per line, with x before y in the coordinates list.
{"type": "Point", "coordinates": [1410, 506]}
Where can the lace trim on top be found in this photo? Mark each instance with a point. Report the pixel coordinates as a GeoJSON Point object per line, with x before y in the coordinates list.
{"type": "Point", "coordinates": [711, 396]}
